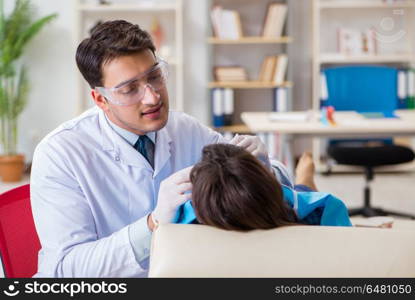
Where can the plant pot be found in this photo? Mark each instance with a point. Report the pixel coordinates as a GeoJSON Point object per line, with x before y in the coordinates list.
{"type": "Point", "coordinates": [11, 167]}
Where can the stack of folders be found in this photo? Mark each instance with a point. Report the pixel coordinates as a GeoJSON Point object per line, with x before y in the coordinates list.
{"type": "Point", "coordinates": [274, 20]}
{"type": "Point", "coordinates": [222, 107]}
{"type": "Point", "coordinates": [226, 23]}
{"type": "Point", "coordinates": [406, 89]}
{"type": "Point", "coordinates": [274, 69]}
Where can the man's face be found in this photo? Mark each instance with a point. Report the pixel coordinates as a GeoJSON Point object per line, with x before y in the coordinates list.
{"type": "Point", "coordinates": [149, 114]}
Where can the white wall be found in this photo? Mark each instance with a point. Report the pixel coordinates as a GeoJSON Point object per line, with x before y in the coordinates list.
{"type": "Point", "coordinates": [52, 68]}
{"type": "Point", "coordinates": [50, 59]}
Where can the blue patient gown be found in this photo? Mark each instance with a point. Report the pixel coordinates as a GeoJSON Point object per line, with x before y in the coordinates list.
{"type": "Point", "coordinates": [313, 208]}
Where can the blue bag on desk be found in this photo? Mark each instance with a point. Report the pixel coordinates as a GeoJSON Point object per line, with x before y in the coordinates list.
{"type": "Point", "coordinates": [312, 208]}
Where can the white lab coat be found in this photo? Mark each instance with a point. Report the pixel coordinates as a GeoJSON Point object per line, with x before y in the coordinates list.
{"type": "Point", "coordinates": [88, 184]}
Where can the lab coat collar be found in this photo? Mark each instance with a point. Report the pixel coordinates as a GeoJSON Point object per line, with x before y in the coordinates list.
{"type": "Point", "coordinates": [122, 151]}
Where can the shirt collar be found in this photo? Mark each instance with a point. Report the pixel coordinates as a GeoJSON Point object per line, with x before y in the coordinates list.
{"type": "Point", "coordinates": [129, 136]}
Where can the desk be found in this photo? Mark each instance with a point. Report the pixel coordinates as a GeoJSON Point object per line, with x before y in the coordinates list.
{"type": "Point", "coordinates": [349, 124]}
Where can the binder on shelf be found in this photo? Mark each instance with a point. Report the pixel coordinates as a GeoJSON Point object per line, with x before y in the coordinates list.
{"type": "Point", "coordinates": [228, 105]}
{"type": "Point", "coordinates": [274, 20]}
{"type": "Point", "coordinates": [280, 103]}
{"type": "Point", "coordinates": [402, 89]}
{"type": "Point", "coordinates": [411, 89]}
{"type": "Point", "coordinates": [217, 108]}
{"type": "Point", "coordinates": [324, 92]}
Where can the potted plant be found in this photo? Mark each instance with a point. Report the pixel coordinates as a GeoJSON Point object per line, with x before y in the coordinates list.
{"type": "Point", "coordinates": [16, 30]}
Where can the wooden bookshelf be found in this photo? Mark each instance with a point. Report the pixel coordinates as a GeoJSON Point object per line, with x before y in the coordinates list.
{"type": "Point", "coordinates": [250, 40]}
{"type": "Point", "coordinates": [354, 12]}
{"type": "Point", "coordinates": [248, 84]}
{"type": "Point", "coordinates": [251, 51]}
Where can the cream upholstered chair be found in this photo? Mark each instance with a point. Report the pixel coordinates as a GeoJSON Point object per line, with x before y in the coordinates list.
{"type": "Point", "coordinates": [295, 251]}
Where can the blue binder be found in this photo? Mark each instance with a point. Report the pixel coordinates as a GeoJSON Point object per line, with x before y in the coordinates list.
{"type": "Point", "coordinates": [362, 88]}
{"type": "Point", "coordinates": [365, 89]}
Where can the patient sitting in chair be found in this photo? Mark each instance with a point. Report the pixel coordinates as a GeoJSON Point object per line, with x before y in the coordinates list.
{"type": "Point", "coordinates": [233, 190]}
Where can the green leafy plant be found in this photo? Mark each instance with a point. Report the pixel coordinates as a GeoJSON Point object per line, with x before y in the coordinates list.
{"type": "Point", "coordinates": [16, 30]}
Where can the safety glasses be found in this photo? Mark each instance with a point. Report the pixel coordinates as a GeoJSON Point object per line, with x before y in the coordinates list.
{"type": "Point", "coordinates": [133, 91]}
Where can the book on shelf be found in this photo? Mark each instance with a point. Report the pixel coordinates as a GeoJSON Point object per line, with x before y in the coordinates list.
{"type": "Point", "coordinates": [280, 69]}
{"type": "Point", "coordinates": [226, 23]}
{"type": "Point", "coordinates": [230, 73]}
{"type": "Point", "coordinates": [411, 89]}
{"type": "Point", "coordinates": [324, 92]}
{"type": "Point", "coordinates": [406, 88]}
{"type": "Point", "coordinates": [217, 108]}
{"type": "Point", "coordinates": [267, 69]}
{"type": "Point", "coordinates": [280, 103]}
{"type": "Point", "coordinates": [228, 106]}
{"type": "Point", "coordinates": [402, 88]}
{"type": "Point", "coordinates": [274, 69]}
{"type": "Point", "coordinates": [222, 107]}
{"type": "Point", "coordinates": [274, 20]}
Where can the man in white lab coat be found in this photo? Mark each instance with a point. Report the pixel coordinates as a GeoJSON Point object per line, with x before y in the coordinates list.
{"type": "Point", "coordinates": [101, 181]}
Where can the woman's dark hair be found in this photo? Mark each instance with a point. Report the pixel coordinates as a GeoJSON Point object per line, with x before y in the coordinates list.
{"type": "Point", "coordinates": [109, 40]}
{"type": "Point", "coordinates": [232, 190]}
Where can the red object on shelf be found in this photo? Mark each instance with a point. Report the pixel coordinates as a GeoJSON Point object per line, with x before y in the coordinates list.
{"type": "Point", "coordinates": [330, 115]}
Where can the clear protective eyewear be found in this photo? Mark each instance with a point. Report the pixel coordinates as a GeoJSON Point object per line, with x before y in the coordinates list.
{"type": "Point", "coordinates": [133, 91]}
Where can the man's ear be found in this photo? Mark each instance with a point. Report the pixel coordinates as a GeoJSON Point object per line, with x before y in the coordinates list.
{"type": "Point", "coordinates": [99, 100]}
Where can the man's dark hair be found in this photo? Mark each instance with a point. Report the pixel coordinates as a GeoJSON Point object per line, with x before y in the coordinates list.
{"type": "Point", "coordinates": [233, 190]}
{"type": "Point", "coordinates": [109, 40]}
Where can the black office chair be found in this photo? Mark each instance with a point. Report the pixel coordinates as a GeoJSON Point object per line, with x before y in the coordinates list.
{"type": "Point", "coordinates": [370, 157]}
{"type": "Point", "coordinates": [366, 89]}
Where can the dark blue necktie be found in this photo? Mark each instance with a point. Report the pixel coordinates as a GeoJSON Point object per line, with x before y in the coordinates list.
{"type": "Point", "coordinates": [146, 147]}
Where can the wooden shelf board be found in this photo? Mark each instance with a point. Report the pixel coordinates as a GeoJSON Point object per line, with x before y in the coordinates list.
{"type": "Point", "coordinates": [365, 4]}
{"type": "Point", "coordinates": [339, 58]}
{"type": "Point", "coordinates": [237, 128]}
{"type": "Point", "coordinates": [126, 7]}
{"type": "Point", "coordinates": [248, 84]}
{"type": "Point", "coordinates": [251, 40]}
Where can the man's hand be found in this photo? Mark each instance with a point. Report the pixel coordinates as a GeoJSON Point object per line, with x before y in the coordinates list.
{"type": "Point", "coordinates": [254, 145]}
{"type": "Point", "coordinates": [171, 196]}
